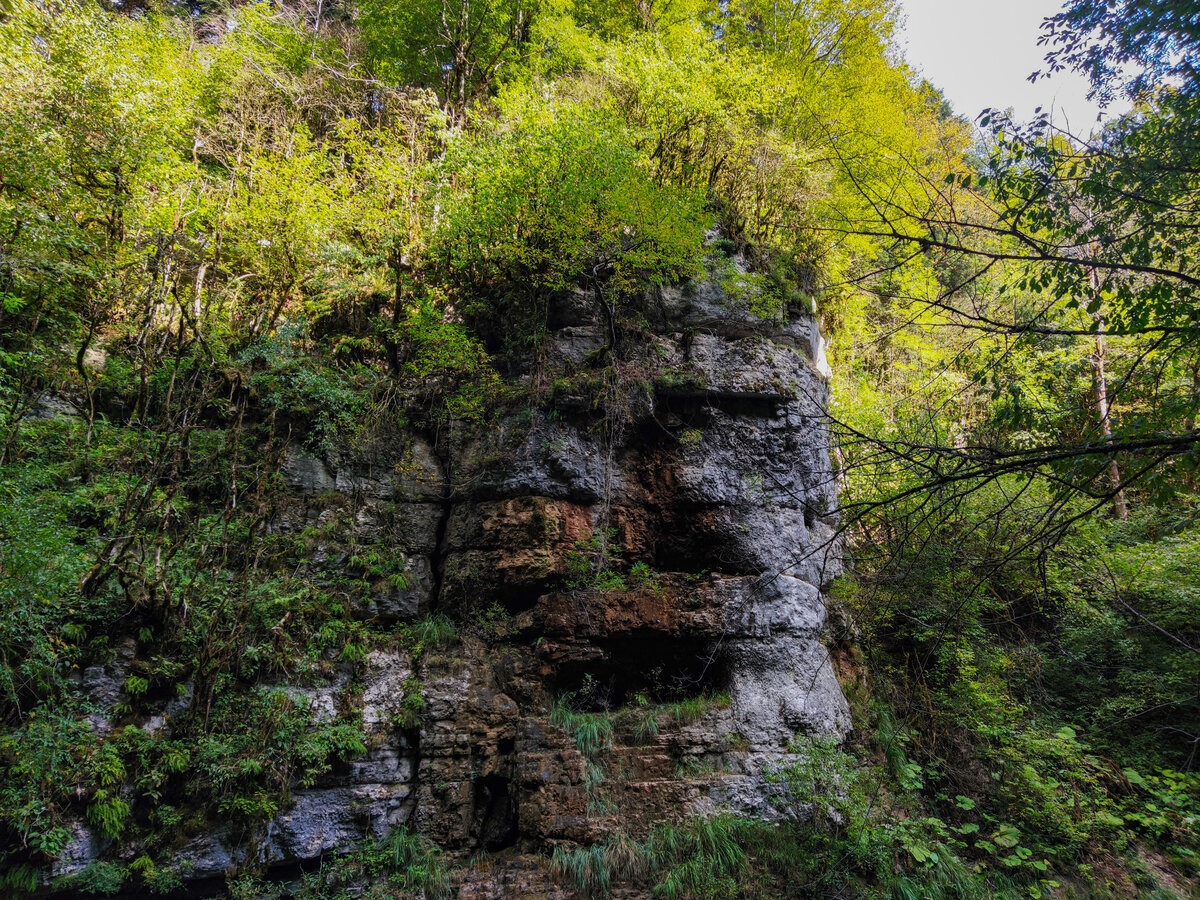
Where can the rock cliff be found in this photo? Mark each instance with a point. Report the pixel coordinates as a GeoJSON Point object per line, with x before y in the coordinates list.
{"type": "Point", "coordinates": [635, 560]}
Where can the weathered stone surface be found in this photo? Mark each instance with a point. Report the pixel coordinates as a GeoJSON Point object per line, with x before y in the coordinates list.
{"type": "Point", "coordinates": [538, 455]}
{"type": "Point", "coordinates": [83, 847]}
{"type": "Point", "coordinates": [716, 478]}
{"type": "Point", "coordinates": [509, 551]}
{"type": "Point", "coordinates": [212, 854]}
{"type": "Point", "coordinates": [306, 473]}
{"type": "Point", "coordinates": [704, 306]}
{"type": "Point", "coordinates": [332, 819]}
{"type": "Point", "coordinates": [782, 686]}
{"type": "Point", "coordinates": [384, 690]}
{"type": "Point", "coordinates": [749, 368]}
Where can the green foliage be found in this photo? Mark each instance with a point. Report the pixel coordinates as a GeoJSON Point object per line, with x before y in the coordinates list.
{"type": "Point", "coordinates": [39, 566]}
{"type": "Point", "coordinates": [254, 745]}
{"type": "Point", "coordinates": [594, 869]}
{"type": "Point", "coordinates": [1137, 49]}
{"type": "Point", "coordinates": [39, 759]}
{"type": "Point", "coordinates": [642, 576]}
{"type": "Point", "coordinates": [693, 709]}
{"type": "Point", "coordinates": [404, 861]}
{"type": "Point", "coordinates": [236, 754]}
{"type": "Point", "coordinates": [98, 878]}
{"type": "Point", "coordinates": [591, 564]}
{"type": "Point", "coordinates": [411, 705]}
{"type": "Point", "coordinates": [429, 633]}
{"type": "Point", "coordinates": [445, 367]}
{"type": "Point", "coordinates": [554, 196]}
{"type": "Point", "coordinates": [592, 731]}
{"type": "Point", "coordinates": [585, 867]}
{"type": "Point", "coordinates": [700, 859]}
{"type": "Point", "coordinates": [220, 240]}
{"type": "Point", "coordinates": [108, 813]}
{"type": "Point", "coordinates": [460, 45]}
{"type": "Point", "coordinates": [1016, 747]}
{"type": "Point", "coordinates": [329, 400]}
{"type": "Point", "coordinates": [646, 719]}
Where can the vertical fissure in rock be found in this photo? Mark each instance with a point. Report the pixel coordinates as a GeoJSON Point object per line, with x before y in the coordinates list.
{"type": "Point", "coordinates": [437, 559]}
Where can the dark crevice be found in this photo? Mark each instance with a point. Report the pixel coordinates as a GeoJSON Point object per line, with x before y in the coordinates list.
{"type": "Point", "coordinates": [496, 812]}
{"type": "Point", "coordinates": [519, 600]}
{"type": "Point", "coordinates": [699, 404]}
{"type": "Point", "coordinates": [437, 559]}
{"type": "Point", "coordinates": [678, 669]}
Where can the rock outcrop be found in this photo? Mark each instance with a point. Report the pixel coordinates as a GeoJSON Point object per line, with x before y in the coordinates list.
{"type": "Point", "coordinates": [703, 458]}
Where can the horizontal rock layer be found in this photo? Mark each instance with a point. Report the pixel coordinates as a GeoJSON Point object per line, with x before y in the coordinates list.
{"type": "Point", "coordinates": [709, 465]}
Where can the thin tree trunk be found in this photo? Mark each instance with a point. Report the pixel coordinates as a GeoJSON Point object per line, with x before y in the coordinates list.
{"type": "Point", "coordinates": [1120, 507]}
{"type": "Point", "coordinates": [391, 342]}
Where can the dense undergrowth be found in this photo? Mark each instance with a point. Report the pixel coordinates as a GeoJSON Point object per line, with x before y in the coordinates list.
{"type": "Point", "coordinates": [231, 230]}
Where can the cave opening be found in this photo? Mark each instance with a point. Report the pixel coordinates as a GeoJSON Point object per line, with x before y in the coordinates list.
{"type": "Point", "coordinates": [496, 813]}
{"type": "Point", "coordinates": [643, 669]}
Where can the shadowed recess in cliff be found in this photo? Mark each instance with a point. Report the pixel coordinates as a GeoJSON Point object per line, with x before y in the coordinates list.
{"type": "Point", "coordinates": [639, 668]}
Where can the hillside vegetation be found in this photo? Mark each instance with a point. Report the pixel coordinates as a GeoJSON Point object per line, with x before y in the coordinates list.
{"type": "Point", "coordinates": [227, 228]}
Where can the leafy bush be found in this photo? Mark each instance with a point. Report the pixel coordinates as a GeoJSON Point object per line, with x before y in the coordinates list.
{"type": "Point", "coordinates": [556, 195]}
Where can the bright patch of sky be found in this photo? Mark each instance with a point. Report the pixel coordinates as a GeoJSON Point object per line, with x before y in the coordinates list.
{"type": "Point", "coordinates": [981, 53]}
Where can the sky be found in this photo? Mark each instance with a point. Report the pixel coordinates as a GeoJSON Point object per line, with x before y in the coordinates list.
{"type": "Point", "coordinates": [980, 53]}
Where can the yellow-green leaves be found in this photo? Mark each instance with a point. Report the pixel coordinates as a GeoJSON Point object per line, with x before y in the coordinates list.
{"type": "Point", "coordinates": [556, 196]}
{"type": "Point", "coordinates": [458, 47]}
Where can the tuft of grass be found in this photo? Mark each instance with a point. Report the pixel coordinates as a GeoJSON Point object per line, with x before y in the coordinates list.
{"type": "Point", "coordinates": [645, 729]}
{"type": "Point", "coordinates": [404, 863]}
{"type": "Point", "coordinates": [592, 732]}
{"type": "Point", "coordinates": [435, 630]}
{"type": "Point", "coordinates": [584, 868]}
{"type": "Point", "coordinates": [693, 709]}
{"type": "Point", "coordinates": [598, 801]}
{"type": "Point", "coordinates": [949, 879]}
{"type": "Point", "coordinates": [699, 858]}
{"type": "Point", "coordinates": [626, 858]}
{"type": "Point", "coordinates": [693, 767]}
{"type": "Point", "coordinates": [593, 870]}
{"type": "Point", "coordinates": [418, 863]}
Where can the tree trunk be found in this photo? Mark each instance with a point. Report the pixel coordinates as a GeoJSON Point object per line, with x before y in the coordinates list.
{"type": "Point", "coordinates": [1120, 507]}
{"type": "Point", "coordinates": [392, 345]}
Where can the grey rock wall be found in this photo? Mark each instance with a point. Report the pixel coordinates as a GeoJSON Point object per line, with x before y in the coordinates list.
{"type": "Point", "coordinates": [715, 472]}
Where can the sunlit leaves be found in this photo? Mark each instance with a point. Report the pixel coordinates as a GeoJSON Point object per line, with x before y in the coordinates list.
{"type": "Point", "coordinates": [557, 196]}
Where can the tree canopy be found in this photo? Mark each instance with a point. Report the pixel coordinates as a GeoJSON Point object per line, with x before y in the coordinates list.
{"type": "Point", "coordinates": [230, 229]}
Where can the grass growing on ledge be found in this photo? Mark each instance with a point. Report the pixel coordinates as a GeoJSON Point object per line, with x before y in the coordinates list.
{"type": "Point", "coordinates": [593, 870]}
{"type": "Point", "coordinates": [404, 863]}
{"type": "Point", "coordinates": [698, 858]}
{"type": "Point", "coordinates": [693, 709]}
{"type": "Point", "coordinates": [593, 732]}
{"type": "Point", "coordinates": [428, 633]}
{"type": "Point", "coordinates": [648, 720]}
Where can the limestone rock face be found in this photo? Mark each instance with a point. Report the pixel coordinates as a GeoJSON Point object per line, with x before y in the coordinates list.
{"type": "Point", "coordinates": [708, 465]}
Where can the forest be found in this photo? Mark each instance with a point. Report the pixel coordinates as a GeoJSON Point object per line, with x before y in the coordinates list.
{"type": "Point", "coordinates": [233, 229]}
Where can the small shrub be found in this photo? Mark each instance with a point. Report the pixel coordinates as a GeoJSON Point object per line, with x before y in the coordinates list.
{"type": "Point", "coordinates": [411, 707]}
{"type": "Point", "coordinates": [641, 575]}
{"type": "Point", "coordinates": [590, 566]}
